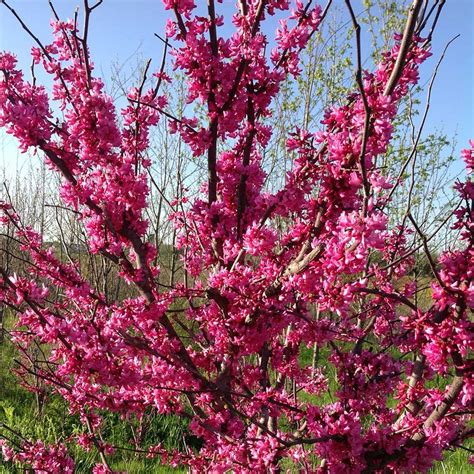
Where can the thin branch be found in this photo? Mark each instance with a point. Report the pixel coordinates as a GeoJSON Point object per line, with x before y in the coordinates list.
{"type": "Point", "coordinates": [404, 47]}
{"type": "Point", "coordinates": [25, 27]}
{"type": "Point", "coordinates": [367, 110]}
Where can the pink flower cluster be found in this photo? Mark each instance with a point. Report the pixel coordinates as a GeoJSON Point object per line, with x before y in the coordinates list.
{"type": "Point", "coordinates": [52, 459]}
{"type": "Point", "coordinates": [288, 339]}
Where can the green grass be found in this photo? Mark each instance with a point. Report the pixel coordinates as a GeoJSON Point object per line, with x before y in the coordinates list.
{"type": "Point", "coordinates": [455, 462]}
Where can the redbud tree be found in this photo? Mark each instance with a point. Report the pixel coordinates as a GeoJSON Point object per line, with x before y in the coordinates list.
{"type": "Point", "coordinates": [294, 339]}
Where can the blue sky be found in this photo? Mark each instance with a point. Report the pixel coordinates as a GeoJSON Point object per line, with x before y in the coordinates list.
{"type": "Point", "coordinates": [121, 28]}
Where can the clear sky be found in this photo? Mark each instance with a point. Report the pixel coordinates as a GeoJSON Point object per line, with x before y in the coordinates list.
{"type": "Point", "coordinates": [121, 28]}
